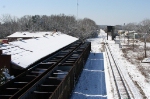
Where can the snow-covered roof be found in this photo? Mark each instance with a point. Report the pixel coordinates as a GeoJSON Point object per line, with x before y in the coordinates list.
{"type": "Point", "coordinates": [146, 60]}
{"type": "Point", "coordinates": [25, 52]}
{"type": "Point", "coordinates": [29, 34]}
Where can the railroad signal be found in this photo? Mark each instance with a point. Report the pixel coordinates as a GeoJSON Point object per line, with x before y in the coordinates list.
{"type": "Point", "coordinates": [110, 29]}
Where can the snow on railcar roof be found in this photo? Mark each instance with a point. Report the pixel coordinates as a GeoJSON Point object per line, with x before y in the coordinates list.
{"type": "Point", "coordinates": [26, 52]}
{"type": "Point", "coordinates": [29, 34]}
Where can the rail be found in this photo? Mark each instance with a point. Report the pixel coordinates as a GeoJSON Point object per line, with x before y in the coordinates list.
{"type": "Point", "coordinates": [121, 88]}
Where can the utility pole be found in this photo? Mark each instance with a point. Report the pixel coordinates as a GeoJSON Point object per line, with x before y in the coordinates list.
{"type": "Point", "coordinates": [77, 9]}
{"type": "Point", "coordinates": [124, 31]}
{"type": "Point", "coordinates": [145, 48]}
{"type": "Point", "coordinates": [145, 36]}
{"type": "Point", "coordinates": [133, 40]}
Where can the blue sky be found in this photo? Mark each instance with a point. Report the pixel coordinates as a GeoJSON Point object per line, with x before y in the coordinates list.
{"type": "Point", "coordinates": [103, 12]}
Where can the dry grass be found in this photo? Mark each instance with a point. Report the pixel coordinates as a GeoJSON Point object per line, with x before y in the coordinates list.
{"type": "Point", "coordinates": [102, 43]}
{"type": "Point", "coordinates": [125, 51]}
{"type": "Point", "coordinates": [141, 91]}
{"type": "Point", "coordinates": [144, 71]}
{"type": "Point", "coordinates": [140, 57]}
{"type": "Point", "coordinates": [135, 57]}
{"type": "Point", "coordinates": [147, 40]}
{"type": "Point", "coordinates": [103, 47]}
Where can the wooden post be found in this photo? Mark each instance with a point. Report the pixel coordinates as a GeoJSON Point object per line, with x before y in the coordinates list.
{"type": "Point", "coordinates": [145, 48]}
{"type": "Point", "coordinates": [5, 60]}
{"type": "Point", "coordinates": [1, 52]}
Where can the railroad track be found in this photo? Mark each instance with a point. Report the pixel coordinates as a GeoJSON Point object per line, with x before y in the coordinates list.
{"type": "Point", "coordinates": [123, 91]}
{"type": "Point", "coordinates": [52, 78]}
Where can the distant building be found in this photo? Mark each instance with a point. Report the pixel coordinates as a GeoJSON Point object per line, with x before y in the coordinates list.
{"type": "Point", "coordinates": [2, 41]}
{"type": "Point", "coordinates": [121, 32]}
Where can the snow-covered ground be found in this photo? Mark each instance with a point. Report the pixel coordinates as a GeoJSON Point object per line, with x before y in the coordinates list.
{"type": "Point", "coordinates": [135, 80]}
{"type": "Point", "coordinates": [94, 79]}
{"type": "Point", "coordinates": [134, 71]}
{"type": "Point", "coordinates": [29, 34]}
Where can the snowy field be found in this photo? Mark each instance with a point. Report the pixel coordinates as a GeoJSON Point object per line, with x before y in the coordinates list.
{"type": "Point", "coordinates": [90, 84]}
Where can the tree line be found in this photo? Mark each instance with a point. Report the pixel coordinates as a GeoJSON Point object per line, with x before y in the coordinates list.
{"type": "Point", "coordinates": [81, 28]}
{"type": "Point", "coordinates": [141, 27]}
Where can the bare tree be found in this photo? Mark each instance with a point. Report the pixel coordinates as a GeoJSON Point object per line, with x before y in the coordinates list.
{"type": "Point", "coordinates": [131, 27]}
{"type": "Point", "coordinates": [144, 26]}
{"type": "Point", "coordinates": [8, 26]}
{"type": "Point", "coordinates": [82, 28]}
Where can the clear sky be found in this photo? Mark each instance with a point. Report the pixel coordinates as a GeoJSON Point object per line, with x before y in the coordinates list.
{"type": "Point", "coordinates": [103, 12]}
